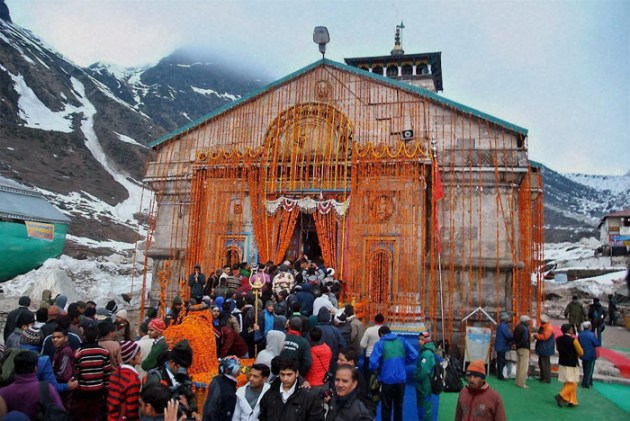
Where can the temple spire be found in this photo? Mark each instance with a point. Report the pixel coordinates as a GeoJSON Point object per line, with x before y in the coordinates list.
{"type": "Point", "coordinates": [398, 50]}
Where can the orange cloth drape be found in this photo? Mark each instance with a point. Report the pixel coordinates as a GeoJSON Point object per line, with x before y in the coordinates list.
{"type": "Point", "coordinates": [285, 223]}
{"type": "Point", "coordinates": [326, 226]}
{"type": "Point", "coordinates": [272, 233]}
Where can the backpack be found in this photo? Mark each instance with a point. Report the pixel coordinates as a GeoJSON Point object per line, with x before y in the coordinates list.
{"type": "Point", "coordinates": [454, 374]}
{"type": "Point", "coordinates": [7, 366]}
{"type": "Point", "coordinates": [438, 377]}
{"type": "Point", "coordinates": [46, 410]}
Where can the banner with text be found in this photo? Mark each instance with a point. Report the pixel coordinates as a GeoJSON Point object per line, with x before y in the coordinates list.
{"type": "Point", "coordinates": [478, 343]}
{"type": "Point", "coordinates": [40, 230]}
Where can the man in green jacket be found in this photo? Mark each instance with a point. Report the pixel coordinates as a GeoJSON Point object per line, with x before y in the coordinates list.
{"type": "Point", "coordinates": [575, 313]}
{"type": "Point", "coordinates": [422, 376]}
{"type": "Point", "coordinates": [159, 348]}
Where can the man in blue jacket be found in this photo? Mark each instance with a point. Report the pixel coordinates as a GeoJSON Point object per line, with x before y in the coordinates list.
{"type": "Point", "coordinates": [389, 356]}
{"type": "Point", "coordinates": [502, 344]}
{"type": "Point", "coordinates": [588, 341]}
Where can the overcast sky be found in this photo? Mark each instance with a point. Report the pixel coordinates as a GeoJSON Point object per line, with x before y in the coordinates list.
{"type": "Point", "coordinates": [561, 69]}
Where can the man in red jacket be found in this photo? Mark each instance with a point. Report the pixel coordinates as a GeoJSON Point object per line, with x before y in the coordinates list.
{"type": "Point", "coordinates": [477, 402]}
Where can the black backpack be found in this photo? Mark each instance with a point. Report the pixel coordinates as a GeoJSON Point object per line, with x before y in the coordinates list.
{"type": "Point", "coordinates": [46, 410]}
{"type": "Point", "coordinates": [454, 372]}
{"type": "Point", "coordinates": [438, 377]}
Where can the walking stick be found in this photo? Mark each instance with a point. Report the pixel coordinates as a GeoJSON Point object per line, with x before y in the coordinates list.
{"type": "Point", "coordinates": [256, 285]}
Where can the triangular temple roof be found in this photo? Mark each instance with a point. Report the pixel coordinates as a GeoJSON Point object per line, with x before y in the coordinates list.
{"type": "Point", "coordinates": [326, 62]}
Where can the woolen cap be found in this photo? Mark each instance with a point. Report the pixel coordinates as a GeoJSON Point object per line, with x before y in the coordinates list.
{"type": "Point", "coordinates": [31, 336]}
{"type": "Point", "coordinates": [525, 318]}
{"type": "Point", "coordinates": [477, 367]}
{"type": "Point", "coordinates": [122, 314]}
{"type": "Point", "coordinates": [544, 318]}
{"type": "Point", "coordinates": [111, 306]}
{"type": "Point", "coordinates": [158, 325]}
{"type": "Point", "coordinates": [102, 314]}
{"type": "Point", "coordinates": [426, 335]}
{"type": "Point", "coordinates": [128, 350]}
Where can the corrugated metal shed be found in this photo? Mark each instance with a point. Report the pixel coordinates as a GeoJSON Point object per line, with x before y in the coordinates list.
{"type": "Point", "coordinates": [20, 202]}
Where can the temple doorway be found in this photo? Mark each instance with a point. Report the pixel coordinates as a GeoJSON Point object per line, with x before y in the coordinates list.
{"type": "Point", "coordinates": [305, 239]}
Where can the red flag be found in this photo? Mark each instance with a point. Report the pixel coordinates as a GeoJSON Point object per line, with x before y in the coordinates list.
{"type": "Point", "coordinates": [438, 194]}
{"type": "Point", "coordinates": [438, 190]}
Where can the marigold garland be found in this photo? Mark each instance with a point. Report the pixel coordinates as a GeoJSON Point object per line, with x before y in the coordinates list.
{"type": "Point", "coordinates": [197, 328]}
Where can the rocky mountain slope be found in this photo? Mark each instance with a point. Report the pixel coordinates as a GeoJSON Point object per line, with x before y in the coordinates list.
{"type": "Point", "coordinates": [79, 135]}
{"type": "Point", "coordinates": [575, 203]}
{"type": "Point", "coordinates": [178, 89]}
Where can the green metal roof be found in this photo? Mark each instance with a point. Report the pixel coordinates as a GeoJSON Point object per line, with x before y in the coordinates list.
{"type": "Point", "coordinates": [326, 62]}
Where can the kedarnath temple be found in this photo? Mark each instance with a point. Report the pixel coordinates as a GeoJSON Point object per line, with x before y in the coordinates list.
{"type": "Point", "coordinates": [405, 193]}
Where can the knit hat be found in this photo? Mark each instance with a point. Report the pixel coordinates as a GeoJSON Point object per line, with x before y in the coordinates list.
{"type": "Point", "coordinates": [122, 314]}
{"type": "Point", "coordinates": [219, 301]}
{"type": "Point", "coordinates": [182, 354]}
{"type": "Point", "coordinates": [477, 367]}
{"type": "Point", "coordinates": [505, 317]}
{"type": "Point", "coordinates": [230, 366]}
{"type": "Point", "coordinates": [525, 318]}
{"type": "Point", "coordinates": [31, 336]}
{"type": "Point", "coordinates": [426, 335]}
{"type": "Point", "coordinates": [544, 318]}
{"type": "Point", "coordinates": [177, 300]}
{"type": "Point", "coordinates": [128, 350]}
{"type": "Point", "coordinates": [158, 325]}
{"type": "Point", "coordinates": [111, 306]}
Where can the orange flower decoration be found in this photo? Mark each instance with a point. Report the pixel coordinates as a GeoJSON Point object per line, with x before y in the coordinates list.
{"type": "Point", "coordinates": [197, 328]}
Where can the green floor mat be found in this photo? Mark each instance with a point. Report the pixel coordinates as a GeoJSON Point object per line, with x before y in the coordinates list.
{"type": "Point", "coordinates": [609, 402]}
{"type": "Point", "coordinates": [617, 393]}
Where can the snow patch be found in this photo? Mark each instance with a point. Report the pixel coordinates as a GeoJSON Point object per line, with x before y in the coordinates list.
{"type": "Point", "coordinates": [225, 95]}
{"type": "Point", "coordinates": [35, 113]}
{"type": "Point", "coordinates": [127, 139]}
{"type": "Point", "coordinates": [126, 209]}
{"type": "Point", "coordinates": [99, 279]}
{"type": "Point", "coordinates": [612, 183]}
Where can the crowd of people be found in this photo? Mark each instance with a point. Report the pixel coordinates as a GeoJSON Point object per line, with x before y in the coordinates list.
{"type": "Point", "coordinates": [578, 341]}
{"type": "Point", "coordinates": [96, 365]}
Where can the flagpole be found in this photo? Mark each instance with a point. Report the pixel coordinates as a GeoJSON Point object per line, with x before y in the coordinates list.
{"type": "Point", "coordinates": [437, 238]}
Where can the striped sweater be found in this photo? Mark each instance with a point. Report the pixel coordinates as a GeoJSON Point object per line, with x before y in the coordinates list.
{"type": "Point", "coordinates": [92, 367]}
{"type": "Point", "coordinates": [124, 394]}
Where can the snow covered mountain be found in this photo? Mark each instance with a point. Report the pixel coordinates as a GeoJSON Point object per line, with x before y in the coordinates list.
{"type": "Point", "coordinates": [79, 135]}
{"type": "Point", "coordinates": [575, 203]}
{"type": "Point", "coordinates": [179, 88]}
